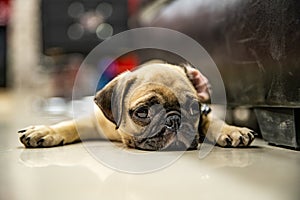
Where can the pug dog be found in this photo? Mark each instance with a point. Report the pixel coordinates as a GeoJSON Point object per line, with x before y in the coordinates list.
{"type": "Point", "coordinates": [156, 107]}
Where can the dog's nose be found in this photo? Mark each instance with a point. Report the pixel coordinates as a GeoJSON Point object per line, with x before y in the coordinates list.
{"type": "Point", "coordinates": [173, 121]}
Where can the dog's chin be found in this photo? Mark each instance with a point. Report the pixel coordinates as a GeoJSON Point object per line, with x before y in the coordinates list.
{"type": "Point", "coordinates": [166, 141]}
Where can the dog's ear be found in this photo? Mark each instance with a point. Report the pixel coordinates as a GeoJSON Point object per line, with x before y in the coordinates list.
{"type": "Point", "coordinates": [110, 99]}
{"type": "Point", "coordinates": [199, 81]}
{"type": "Point", "coordinates": [103, 99]}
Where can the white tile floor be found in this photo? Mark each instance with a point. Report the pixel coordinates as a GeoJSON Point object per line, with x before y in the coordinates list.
{"type": "Point", "coordinates": [70, 172]}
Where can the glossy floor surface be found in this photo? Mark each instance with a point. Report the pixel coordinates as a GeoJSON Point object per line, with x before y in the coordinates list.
{"type": "Point", "coordinates": [71, 172]}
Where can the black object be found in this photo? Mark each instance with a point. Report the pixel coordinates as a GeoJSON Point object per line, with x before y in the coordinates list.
{"type": "Point", "coordinates": [77, 26]}
{"type": "Point", "coordinates": [256, 46]}
{"type": "Point", "coordinates": [279, 126]}
{"type": "Point", "coordinates": [3, 56]}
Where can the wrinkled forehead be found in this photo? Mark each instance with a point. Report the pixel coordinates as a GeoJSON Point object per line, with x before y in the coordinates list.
{"type": "Point", "coordinates": [164, 82]}
{"type": "Point", "coordinates": [165, 74]}
{"type": "Point", "coordinates": [152, 93]}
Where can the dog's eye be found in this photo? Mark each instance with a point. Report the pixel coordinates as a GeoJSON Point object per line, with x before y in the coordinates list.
{"type": "Point", "coordinates": [142, 112]}
{"type": "Point", "coordinates": [195, 108]}
{"type": "Point", "coordinates": [141, 115]}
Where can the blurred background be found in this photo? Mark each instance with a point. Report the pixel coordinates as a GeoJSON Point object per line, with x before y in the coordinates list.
{"type": "Point", "coordinates": [255, 44]}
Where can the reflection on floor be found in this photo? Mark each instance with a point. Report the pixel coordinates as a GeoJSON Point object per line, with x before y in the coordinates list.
{"type": "Point", "coordinates": [71, 172]}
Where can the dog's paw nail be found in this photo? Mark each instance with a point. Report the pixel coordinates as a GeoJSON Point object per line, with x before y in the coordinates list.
{"type": "Point", "coordinates": [40, 142]}
{"type": "Point", "coordinates": [61, 143]}
{"type": "Point", "coordinates": [254, 133]}
{"type": "Point", "coordinates": [241, 140]}
{"type": "Point", "coordinates": [22, 137]}
{"type": "Point", "coordinates": [250, 136]}
{"type": "Point", "coordinates": [28, 141]}
{"type": "Point", "coordinates": [228, 142]}
{"type": "Point", "coordinates": [22, 131]}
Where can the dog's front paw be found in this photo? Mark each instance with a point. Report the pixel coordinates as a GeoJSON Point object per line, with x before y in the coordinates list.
{"type": "Point", "coordinates": [233, 136]}
{"type": "Point", "coordinates": [40, 136]}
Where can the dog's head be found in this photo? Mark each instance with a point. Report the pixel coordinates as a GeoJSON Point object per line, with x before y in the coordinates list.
{"type": "Point", "coordinates": [155, 107]}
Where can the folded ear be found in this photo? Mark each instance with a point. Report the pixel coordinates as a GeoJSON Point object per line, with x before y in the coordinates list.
{"type": "Point", "coordinates": [103, 99]}
{"type": "Point", "coordinates": [110, 99]}
{"type": "Point", "coordinates": [199, 81]}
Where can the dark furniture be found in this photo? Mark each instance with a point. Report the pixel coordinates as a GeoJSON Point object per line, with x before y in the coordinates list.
{"type": "Point", "coordinates": [256, 46]}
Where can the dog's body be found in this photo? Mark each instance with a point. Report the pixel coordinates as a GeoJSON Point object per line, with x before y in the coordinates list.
{"type": "Point", "coordinates": [155, 107]}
